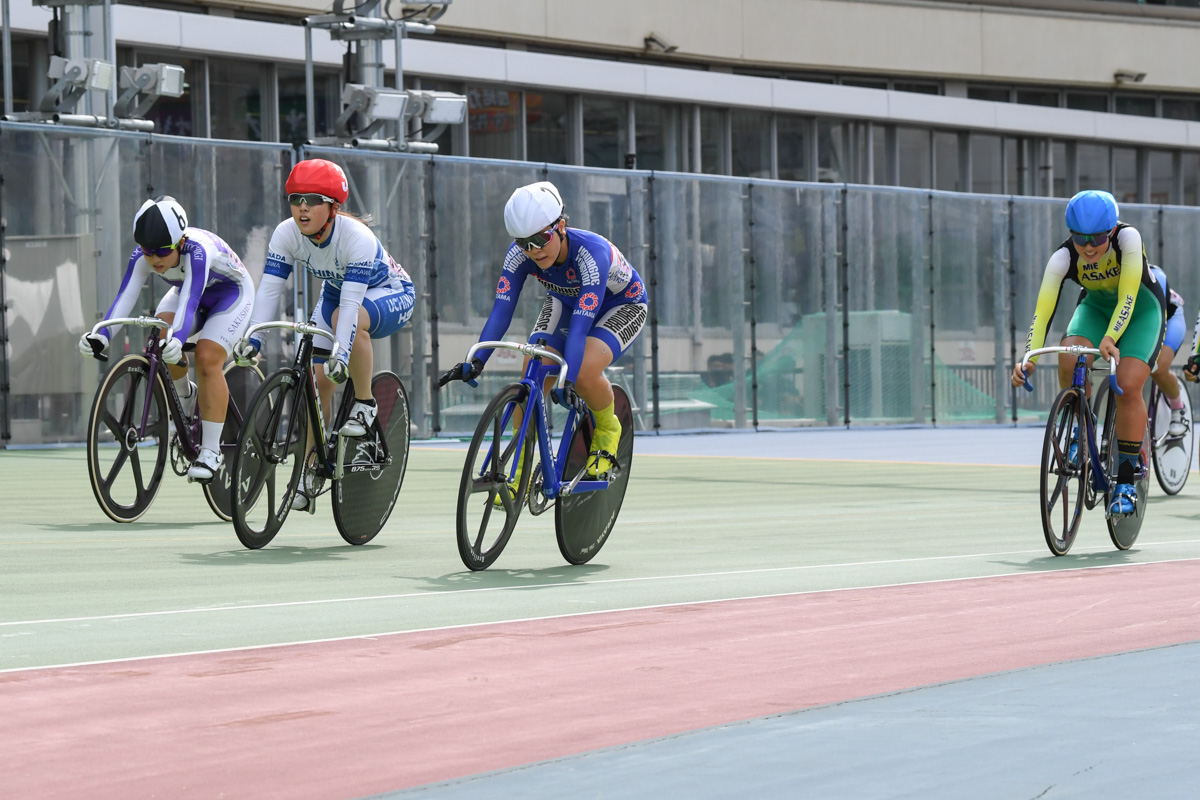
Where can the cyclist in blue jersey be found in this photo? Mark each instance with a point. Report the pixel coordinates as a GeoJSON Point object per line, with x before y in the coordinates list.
{"type": "Point", "coordinates": [596, 305]}
{"type": "Point", "coordinates": [211, 295]}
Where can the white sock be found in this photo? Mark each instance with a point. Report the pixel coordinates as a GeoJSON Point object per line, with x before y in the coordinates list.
{"type": "Point", "coordinates": [183, 387]}
{"type": "Point", "coordinates": [210, 435]}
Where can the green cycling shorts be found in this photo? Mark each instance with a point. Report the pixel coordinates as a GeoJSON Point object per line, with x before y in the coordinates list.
{"type": "Point", "coordinates": [1142, 336]}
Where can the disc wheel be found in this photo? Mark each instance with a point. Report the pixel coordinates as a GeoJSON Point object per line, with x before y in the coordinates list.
{"type": "Point", "coordinates": [1063, 478]}
{"type": "Point", "coordinates": [269, 458]}
{"type": "Point", "coordinates": [484, 527]}
{"type": "Point", "coordinates": [1171, 455]}
{"type": "Point", "coordinates": [374, 465]}
{"type": "Point", "coordinates": [126, 478]}
{"type": "Point", "coordinates": [243, 383]}
{"type": "Point", "coordinates": [584, 520]}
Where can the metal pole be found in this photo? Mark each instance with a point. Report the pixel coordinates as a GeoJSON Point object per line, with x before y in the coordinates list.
{"type": "Point", "coordinates": [7, 44]}
{"type": "Point", "coordinates": [5, 389]}
{"type": "Point", "coordinates": [110, 55]}
{"type": "Point", "coordinates": [310, 101]}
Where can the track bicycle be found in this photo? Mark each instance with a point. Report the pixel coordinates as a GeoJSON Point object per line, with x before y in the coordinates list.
{"type": "Point", "coordinates": [585, 510]}
{"type": "Point", "coordinates": [137, 408]}
{"type": "Point", "coordinates": [275, 452]}
{"type": "Point", "coordinates": [1170, 455]}
{"type": "Point", "coordinates": [1080, 460]}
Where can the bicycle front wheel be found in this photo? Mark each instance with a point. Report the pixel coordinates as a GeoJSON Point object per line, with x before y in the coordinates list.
{"type": "Point", "coordinates": [1123, 529]}
{"type": "Point", "coordinates": [582, 522]}
{"type": "Point", "coordinates": [363, 499]}
{"type": "Point", "coordinates": [243, 383]}
{"type": "Point", "coordinates": [269, 459]}
{"type": "Point", "coordinates": [1172, 455]}
{"type": "Point", "coordinates": [125, 479]}
{"type": "Point", "coordinates": [1063, 474]}
{"type": "Point", "coordinates": [487, 510]}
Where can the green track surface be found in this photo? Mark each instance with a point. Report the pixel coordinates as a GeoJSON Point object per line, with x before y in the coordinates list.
{"type": "Point", "coordinates": [78, 588]}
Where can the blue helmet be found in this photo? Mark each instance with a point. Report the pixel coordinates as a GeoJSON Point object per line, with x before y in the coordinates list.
{"type": "Point", "coordinates": [1092, 211]}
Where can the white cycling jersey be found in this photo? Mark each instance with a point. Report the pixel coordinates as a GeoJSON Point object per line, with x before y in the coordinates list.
{"type": "Point", "coordinates": [349, 262]}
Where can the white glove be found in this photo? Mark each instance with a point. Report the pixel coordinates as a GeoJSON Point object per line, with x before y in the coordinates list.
{"type": "Point", "coordinates": [172, 351]}
{"type": "Point", "coordinates": [87, 348]}
{"type": "Point", "coordinates": [337, 366]}
{"type": "Point", "coordinates": [245, 351]}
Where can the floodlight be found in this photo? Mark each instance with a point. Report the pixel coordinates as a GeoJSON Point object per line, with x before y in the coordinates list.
{"type": "Point", "coordinates": [377, 105]}
{"type": "Point", "coordinates": [439, 108]}
{"type": "Point", "coordinates": [151, 80]}
{"type": "Point", "coordinates": [73, 78]}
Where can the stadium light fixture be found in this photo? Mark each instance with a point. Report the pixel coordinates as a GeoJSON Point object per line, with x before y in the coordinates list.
{"type": "Point", "coordinates": [73, 78]}
{"type": "Point", "coordinates": [150, 80]}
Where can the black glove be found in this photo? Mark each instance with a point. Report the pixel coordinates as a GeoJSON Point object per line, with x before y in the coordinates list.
{"type": "Point", "coordinates": [567, 397]}
{"type": "Point", "coordinates": [1193, 366]}
{"type": "Point", "coordinates": [463, 371]}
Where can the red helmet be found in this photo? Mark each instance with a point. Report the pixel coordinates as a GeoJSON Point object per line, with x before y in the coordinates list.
{"type": "Point", "coordinates": [318, 175]}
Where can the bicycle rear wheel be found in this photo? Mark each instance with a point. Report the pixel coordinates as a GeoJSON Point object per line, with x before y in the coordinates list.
{"type": "Point", "coordinates": [1063, 478]}
{"type": "Point", "coordinates": [269, 458]}
{"type": "Point", "coordinates": [363, 499]}
{"type": "Point", "coordinates": [1171, 455]}
{"type": "Point", "coordinates": [125, 479]}
{"type": "Point", "coordinates": [483, 527]}
{"type": "Point", "coordinates": [582, 522]}
{"type": "Point", "coordinates": [243, 383]}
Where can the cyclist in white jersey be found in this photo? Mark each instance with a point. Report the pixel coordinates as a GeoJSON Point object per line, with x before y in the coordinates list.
{"type": "Point", "coordinates": [362, 287]}
{"type": "Point", "coordinates": [210, 291]}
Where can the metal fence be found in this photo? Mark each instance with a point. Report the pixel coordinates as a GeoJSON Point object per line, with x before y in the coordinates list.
{"type": "Point", "coordinates": [773, 304]}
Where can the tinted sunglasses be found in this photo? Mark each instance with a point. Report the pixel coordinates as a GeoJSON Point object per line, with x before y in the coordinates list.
{"type": "Point", "coordinates": [309, 198]}
{"type": "Point", "coordinates": [159, 252]}
{"type": "Point", "coordinates": [538, 240]}
{"type": "Point", "coordinates": [1097, 239]}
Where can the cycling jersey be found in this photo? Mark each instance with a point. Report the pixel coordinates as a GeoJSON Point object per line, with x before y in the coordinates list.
{"type": "Point", "coordinates": [349, 262]}
{"type": "Point", "coordinates": [1113, 284]}
{"type": "Point", "coordinates": [594, 277]}
{"type": "Point", "coordinates": [208, 278]}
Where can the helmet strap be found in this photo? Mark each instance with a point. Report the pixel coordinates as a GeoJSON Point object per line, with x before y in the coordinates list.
{"type": "Point", "coordinates": [316, 237]}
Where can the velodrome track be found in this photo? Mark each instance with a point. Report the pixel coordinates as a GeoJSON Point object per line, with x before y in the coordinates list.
{"type": "Point", "coordinates": [863, 613]}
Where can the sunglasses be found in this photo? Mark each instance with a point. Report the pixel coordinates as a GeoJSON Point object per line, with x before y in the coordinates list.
{"type": "Point", "coordinates": [538, 240]}
{"type": "Point", "coordinates": [159, 252]}
{"type": "Point", "coordinates": [309, 198]}
{"type": "Point", "coordinates": [1097, 239]}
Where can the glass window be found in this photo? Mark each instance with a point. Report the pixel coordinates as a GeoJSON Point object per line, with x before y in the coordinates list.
{"type": "Point", "coordinates": [1093, 166]}
{"type": "Point", "coordinates": [1038, 97]}
{"type": "Point", "coordinates": [945, 153]}
{"type": "Point", "coordinates": [751, 143]}
{"type": "Point", "coordinates": [919, 87]}
{"type": "Point", "coordinates": [879, 152]}
{"type": "Point", "coordinates": [1136, 104]}
{"type": "Point", "coordinates": [236, 89]}
{"type": "Point", "coordinates": [1178, 108]}
{"type": "Point", "coordinates": [1162, 176]}
{"type": "Point", "coordinates": [986, 175]}
{"type": "Point", "coordinates": [603, 132]}
{"type": "Point", "coordinates": [791, 133]}
{"type": "Point", "coordinates": [20, 77]}
{"type": "Point", "coordinates": [865, 83]}
{"type": "Point", "coordinates": [1191, 178]}
{"type": "Point", "coordinates": [997, 94]}
{"type": "Point", "coordinates": [546, 127]}
{"type": "Point", "coordinates": [1088, 101]}
{"type": "Point", "coordinates": [712, 141]}
{"type": "Point", "coordinates": [831, 154]}
{"type": "Point", "coordinates": [493, 117]}
{"type": "Point", "coordinates": [1124, 179]}
{"type": "Point", "coordinates": [185, 115]}
{"type": "Point", "coordinates": [913, 146]}
{"type": "Point", "coordinates": [659, 140]}
{"type": "Point", "coordinates": [1058, 156]}
{"type": "Point", "coordinates": [293, 104]}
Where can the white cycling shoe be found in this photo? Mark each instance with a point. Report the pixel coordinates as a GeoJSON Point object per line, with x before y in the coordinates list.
{"type": "Point", "coordinates": [362, 416]}
{"type": "Point", "coordinates": [1179, 424]}
{"type": "Point", "coordinates": [306, 493]}
{"type": "Point", "coordinates": [205, 467]}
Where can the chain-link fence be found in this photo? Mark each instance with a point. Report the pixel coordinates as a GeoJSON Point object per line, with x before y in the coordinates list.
{"type": "Point", "coordinates": [773, 304]}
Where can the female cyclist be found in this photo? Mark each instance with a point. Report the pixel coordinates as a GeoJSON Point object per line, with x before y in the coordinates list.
{"type": "Point", "coordinates": [210, 291]}
{"type": "Point", "coordinates": [1123, 302]}
{"type": "Point", "coordinates": [595, 307]}
{"type": "Point", "coordinates": [1173, 336]}
{"type": "Point", "coordinates": [362, 287]}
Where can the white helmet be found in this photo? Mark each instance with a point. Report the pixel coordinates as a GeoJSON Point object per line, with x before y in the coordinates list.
{"type": "Point", "coordinates": [160, 222]}
{"type": "Point", "coordinates": [532, 209]}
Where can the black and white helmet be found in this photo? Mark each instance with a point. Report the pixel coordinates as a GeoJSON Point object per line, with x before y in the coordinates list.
{"type": "Point", "coordinates": [160, 222]}
{"type": "Point", "coordinates": [532, 209]}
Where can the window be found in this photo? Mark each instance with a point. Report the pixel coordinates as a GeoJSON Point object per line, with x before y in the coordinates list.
{"type": "Point", "coordinates": [1190, 168]}
{"type": "Point", "coordinates": [997, 94]}
{"type": "Point", "coordinates": [1058, 178]}
{"type": "Point", "coordinates": [1162, 176]}
{"type": "Point", "coordinates": [603, 132]}
{"type": "Point", "coordinates": [493, 122]}
{"type": "Point", "coordinates": [712, 142]}
{"type": "Point", "coordinates": [659, 143]}
{"type": "Point", "coordinates": [913, 146]}
{"type": "Point", "coordinates": [792, 136]}
{"type": "Point", "coordinates": [1088, 101]}
{"type": "Point", "coordinates": [1136, 104]}
{"type": "Point", "coordinates": [1179, 108]}
{"type": "Point", "coordinates": [1093, 166]}
{"type": "Point", "coordinates": [1124, 179]}
{"type": "Point", "coordinates": [751, 131]}
{"type": "Point", "coordinates": [179, 116]}
{"type": "Point", "coordinates": [20, 77]}
{"type": "Point", "coordinates": [1038, 97]}
{"type": "Point", "coordinates": [546, 127]}
{"type": "Point", "coordinates": [917, 87]}
{"type": "Point", "coordinates": [945, 153]}
{"type": "Point", "coordinates": [293, 104]}
{"type": "Point", "coordinates": [237, 89]}
{"type": "Point", "coordinates": [986, 172]}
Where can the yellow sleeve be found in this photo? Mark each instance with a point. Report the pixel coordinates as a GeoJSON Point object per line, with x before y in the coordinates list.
{"type": "Point", "coordinates": [1047, 300]}
{"type": "Point", "coordinates": [1129, 282]}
